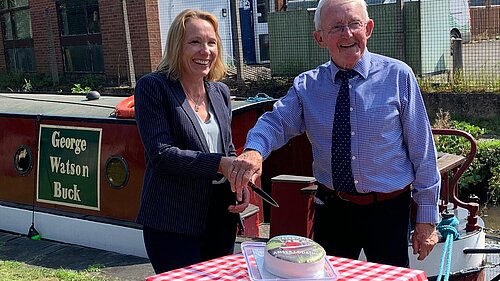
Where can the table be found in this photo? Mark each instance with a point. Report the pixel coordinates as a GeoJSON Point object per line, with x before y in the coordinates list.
{"type": "Point", "coordinates": [233, 267]}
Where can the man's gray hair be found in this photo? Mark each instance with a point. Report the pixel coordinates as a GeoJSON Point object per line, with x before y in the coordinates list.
{"type": "Point", "coordinates": [317, 14]}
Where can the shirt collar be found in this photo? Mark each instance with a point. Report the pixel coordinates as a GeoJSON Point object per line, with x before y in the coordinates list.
{"type": "Point", "coordinates": [362, 66]}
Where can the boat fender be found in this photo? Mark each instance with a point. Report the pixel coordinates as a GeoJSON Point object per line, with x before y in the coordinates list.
{"type": "Point", "coordinates": [125, 108]}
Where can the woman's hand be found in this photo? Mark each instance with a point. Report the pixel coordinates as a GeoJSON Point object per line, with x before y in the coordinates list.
{"type": "Point", "coordinates": [226, 166]}
{"type": "Point", "coordinates": [243, 204]}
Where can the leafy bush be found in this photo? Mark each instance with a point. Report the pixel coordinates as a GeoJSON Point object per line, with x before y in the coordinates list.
{"type": "Point", "coordinates": [40, 81]}
{"type": "Point", "coordinates": [487, 170]}
{"type": "Point", "coordinates": [93, 80]}
{"type": "Point", "coordinates": [11, 80]}
{"type": "Point", "coordinates": [456, 144]}
{"type": "Point", "coordinates": [482, 178]}
{"type": "Point", "coordinates": [79, 89]}
{"type": "Point", "coordinates": [26, 82]}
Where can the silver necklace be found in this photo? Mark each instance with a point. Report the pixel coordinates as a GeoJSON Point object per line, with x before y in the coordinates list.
{"type": "Point", "coordinates": [197, 104]}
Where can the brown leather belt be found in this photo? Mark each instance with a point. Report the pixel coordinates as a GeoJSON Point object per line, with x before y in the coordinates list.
{"type": "Point", "coordinates": [361, 198]}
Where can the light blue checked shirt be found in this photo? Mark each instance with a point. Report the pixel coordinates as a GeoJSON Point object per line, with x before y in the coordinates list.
{"type": "Point", "coordinates": [391, 138]}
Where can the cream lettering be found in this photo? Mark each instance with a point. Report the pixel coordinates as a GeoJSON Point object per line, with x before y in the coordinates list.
{"type": "Point", "coordinates": [77, 145]}
{"type": "Point", "coordinates": [66, 193]}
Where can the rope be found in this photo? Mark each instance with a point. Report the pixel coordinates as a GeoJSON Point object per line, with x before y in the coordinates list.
{"type": "Point", "coordinates": [259, 97]}
{"type": "Point", "coordinates": [447, 228]}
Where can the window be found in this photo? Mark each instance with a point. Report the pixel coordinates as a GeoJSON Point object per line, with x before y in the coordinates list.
{"type": "Point", "coordinates": [262, 11]}
{"type": "Point", "coordinates": [20, 59]}
{"type": "Point", "coordinates": [264, 47]}
{"type": "Point", "coordinates": [81, 36]}
{"type": "Point", "coordinates": [17, 35]}
{"type": "Point", "coordinates": [83, 58]}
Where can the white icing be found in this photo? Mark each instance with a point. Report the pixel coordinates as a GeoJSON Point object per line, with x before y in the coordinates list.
{"type": "Point", "coordinates": [286, 269]}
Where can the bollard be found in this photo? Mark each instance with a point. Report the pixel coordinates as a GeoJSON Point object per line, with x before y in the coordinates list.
{"type": "Point", "coordinates": [456, 45]}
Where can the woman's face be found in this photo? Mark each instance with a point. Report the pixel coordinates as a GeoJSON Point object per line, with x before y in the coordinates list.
{"type": "Point", "coordinates": [199, 48]}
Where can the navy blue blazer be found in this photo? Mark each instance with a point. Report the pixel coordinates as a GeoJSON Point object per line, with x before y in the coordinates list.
{"type": "Point", "coordinates": [179, 166]}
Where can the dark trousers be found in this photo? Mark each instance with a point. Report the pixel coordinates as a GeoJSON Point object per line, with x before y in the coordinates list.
{"type": "Point", "coordinates": [381, 229]}
{"type": "Point", "coordinates": [169, 250]}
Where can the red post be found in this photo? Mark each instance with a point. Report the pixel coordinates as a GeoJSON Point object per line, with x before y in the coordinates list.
{"type": "Point", "coordinates": [295, 195]}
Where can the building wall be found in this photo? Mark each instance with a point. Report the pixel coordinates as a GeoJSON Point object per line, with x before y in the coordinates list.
{"type": "Point", "coordinates": [144, 25]}
{"type": "Point", "coordinates": [169, 9]}
{"type": "Point", "coordinates": [144, 29]}
{"type": "Point", "coordinates": [113, 40]}
{"type": "Point", "coordinates": [44, 21]}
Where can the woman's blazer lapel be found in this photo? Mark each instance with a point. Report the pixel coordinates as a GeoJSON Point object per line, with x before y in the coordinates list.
{"type": "Point", "coordinates": [183, 101]}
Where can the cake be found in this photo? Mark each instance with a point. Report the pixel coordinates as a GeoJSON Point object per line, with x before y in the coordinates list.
{"type": "Point", "coordinates": [291, 256]}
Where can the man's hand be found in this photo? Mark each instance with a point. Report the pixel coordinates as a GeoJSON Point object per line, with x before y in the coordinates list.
{"type": "Point", "coordinates": [424, 239]}
{"type": "Point", "coordinates": [246, 167]}
{"type": "Point", "coordinates": [241, 206]}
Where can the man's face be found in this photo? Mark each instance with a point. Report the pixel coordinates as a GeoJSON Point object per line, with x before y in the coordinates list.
{"type": "Point", "coordinates": [344, 30]}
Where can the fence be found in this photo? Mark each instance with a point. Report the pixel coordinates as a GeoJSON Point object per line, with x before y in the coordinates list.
{"type": "Point", "coordinates": [450, 45]}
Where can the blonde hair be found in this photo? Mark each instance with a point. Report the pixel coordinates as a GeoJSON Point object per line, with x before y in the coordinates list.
{"type": "Point", "coordinates": [171, 63]}
{"type": "Point", "coordinates": [317, 13]}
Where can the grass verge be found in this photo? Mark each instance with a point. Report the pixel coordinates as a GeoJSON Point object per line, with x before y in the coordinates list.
{"type": "Point", "coordinates": [18, 271]}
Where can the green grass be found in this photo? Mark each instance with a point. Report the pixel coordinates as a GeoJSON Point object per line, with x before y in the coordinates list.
{"type": "Point", "coordinates": [18, 271]}
{"type": "Point", "coordinates": [477, 82]}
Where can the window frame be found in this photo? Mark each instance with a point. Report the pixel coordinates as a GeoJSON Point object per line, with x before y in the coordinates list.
{"type": "Point", "coordinates": [13, 44]}
{"type": "Point", "coordinates": [90, 39]}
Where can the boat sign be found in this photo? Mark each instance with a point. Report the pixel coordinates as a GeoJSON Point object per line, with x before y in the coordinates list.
{"type": "Point", "coordinates": [68, 166]}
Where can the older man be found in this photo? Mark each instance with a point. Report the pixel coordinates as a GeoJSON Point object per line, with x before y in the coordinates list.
{"type": "Point", "coordinates": [371, 139]}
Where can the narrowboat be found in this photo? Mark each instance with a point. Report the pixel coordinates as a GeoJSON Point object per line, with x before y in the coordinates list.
{"type": "Point", "coordinates": [72, 168]}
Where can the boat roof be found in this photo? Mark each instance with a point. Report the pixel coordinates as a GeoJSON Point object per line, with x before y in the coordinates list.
{"type": "Point", "coordinates": [77, 105]}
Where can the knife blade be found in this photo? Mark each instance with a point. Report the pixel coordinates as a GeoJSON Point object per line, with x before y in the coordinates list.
{"type": "Point", "coordinates": [262, 194]}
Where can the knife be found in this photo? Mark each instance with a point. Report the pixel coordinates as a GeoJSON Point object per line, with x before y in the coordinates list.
{"type": "Point", "coordinates": [266, 197]}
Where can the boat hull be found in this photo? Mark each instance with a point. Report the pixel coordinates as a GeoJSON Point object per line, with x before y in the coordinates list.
{"type": "Point", "coordinates": [461, 264]}
{"type": "Point", "coordinates": [58, 169]}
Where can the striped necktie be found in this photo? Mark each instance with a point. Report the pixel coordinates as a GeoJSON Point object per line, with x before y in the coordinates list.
{"type": "Point", "coordinates": [341, 141]}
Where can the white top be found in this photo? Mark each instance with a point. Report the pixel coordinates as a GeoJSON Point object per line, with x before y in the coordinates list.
{"type": "Point", "coordinates": [211, 130]}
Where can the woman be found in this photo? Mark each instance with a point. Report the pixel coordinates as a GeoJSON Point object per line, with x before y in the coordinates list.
{"type": "Point", "coordinates": [188, 211]}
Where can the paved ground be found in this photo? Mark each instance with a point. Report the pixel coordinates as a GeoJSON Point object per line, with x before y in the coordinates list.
{"type": "Point", "coordinates": [58, 255]}
{"type": "Point", "coordinates": [49, 254]}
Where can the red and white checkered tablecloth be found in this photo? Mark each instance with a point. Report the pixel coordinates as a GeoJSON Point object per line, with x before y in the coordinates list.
{"type": "Point", "coordinates": [233, 267]}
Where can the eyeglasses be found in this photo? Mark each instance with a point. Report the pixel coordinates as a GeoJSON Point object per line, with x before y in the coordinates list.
{"type": "Point", "coordinates": [353, 26]}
